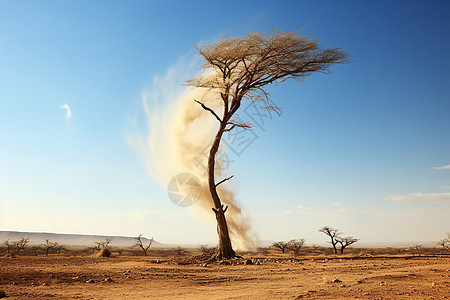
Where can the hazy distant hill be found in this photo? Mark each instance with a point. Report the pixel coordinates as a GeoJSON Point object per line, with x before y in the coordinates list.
{"type": "Point", "coordinates": [37, 238]}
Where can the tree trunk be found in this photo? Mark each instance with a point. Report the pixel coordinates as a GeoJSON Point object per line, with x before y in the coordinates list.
{"type": "Point", "coordinates": [225, 249]}
{"type": "Point", "coordinates": [334, 247]}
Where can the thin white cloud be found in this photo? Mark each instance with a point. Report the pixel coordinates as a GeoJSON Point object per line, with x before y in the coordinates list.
{"type": "Point", "coordinates": [67, 108]}
{"type": "Point", "coordinates": [445, 187]}
{"type": "Point", "coordinates": [420, 197]}
{"type": "Point", "coordinates": [447, 167]}
{"type": "Point", "coordinates": [337, 204]}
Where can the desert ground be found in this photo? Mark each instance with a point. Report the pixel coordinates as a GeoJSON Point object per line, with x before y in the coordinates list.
{"type": "Point", "coordinates": [268, 274]}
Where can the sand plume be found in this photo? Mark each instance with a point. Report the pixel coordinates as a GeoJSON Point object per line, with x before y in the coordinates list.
{"type": "Point", "coordinates": [178, 139]}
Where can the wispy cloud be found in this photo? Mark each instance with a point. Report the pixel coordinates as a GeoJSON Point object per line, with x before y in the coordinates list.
{"type": "Point", "coordinates": [442, 168]}
{"type": "Point", "coordinates": [445, 187]}
{"type": "Point", "coordinates": [420, 197]}
{"type": "Point", "coordinates": [67, 108]}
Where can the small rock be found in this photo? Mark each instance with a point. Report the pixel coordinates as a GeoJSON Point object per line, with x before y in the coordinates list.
{"type": "Point", "coordinates": [90, 281]}
{"type": "Point", "coordinates": [157, 261]}
{"type": "Point", "coordinates": [14, 283]}
{"type": "Point", "coordinates": [359, 281]}
{"type": "Point", "coordinates": [433, 284]}
{"type": "Point", "coordinates": [258, 262]}
{"type": "Point", "coordinates": [205, 265]}
{"type": "Point", "coordinates": [336, 280]}
{"type": "Point", "coordinates": [108, 279]}
{"type": "Point", "coordinates": [3, 294]}
{"type": "Point", "coordinates": [45, 284]}
{"type": "Point", "coordinates": [248, 262]}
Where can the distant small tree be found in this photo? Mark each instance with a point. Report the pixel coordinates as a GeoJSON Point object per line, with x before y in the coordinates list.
{"type": "Point", "coordinates": [8, 247]}
{"type": "Point", "coordinates": [332, 233]}
{"type": "Point", "coordinates": [21, 244]}
{"type": "Point", "coordinates": [35, 250]}
{"type": "Point", "coordinates": [445, 243]}
{"type": "Point", "coordinates": [97, 247]}
{"type": "Point", "coordinates": [205, 249]}
{"type": "Point", "coordinates": [345, 241]}
{"type": "Point", "coordinates": [141, 245]}
{"type": "Point", "coordinates": [296, 245]}
{"type": "Point", "coordinates": [101, 245]}
{"type": "Point", "coordinates": [180, 251]}
{"type": "Point", "coordinates": [59, 248]}
{"type": "Point", "coordinates": [281, 245]}
{"type": "Point", "coordinates": [49, 246]}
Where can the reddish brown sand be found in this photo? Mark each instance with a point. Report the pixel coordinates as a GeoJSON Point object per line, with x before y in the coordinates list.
{"type": "Point", "coordinates": [59, 277]}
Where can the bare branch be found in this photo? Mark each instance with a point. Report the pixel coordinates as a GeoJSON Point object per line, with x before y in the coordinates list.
{"type": "Point", "coordinates": [223, 180]}
{"type": "Point", "coordinates": [234, 124]}
{"type": "Point", "coordinates": [209, 109]}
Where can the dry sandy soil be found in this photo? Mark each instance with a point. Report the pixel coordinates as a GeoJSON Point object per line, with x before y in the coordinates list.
{"type": "Point", "coordinates": [333, 277]}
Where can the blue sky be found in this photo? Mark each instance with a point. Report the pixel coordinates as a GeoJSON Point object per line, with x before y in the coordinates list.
{"type": "Point", "coordinates": [354, 149]}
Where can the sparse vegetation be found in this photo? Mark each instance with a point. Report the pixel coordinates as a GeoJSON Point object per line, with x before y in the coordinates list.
{"type": "Point", "coordinates": [141, 245]}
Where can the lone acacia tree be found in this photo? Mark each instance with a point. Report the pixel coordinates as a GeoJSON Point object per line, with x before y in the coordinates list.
{"type": "Point", "coordinates": [241, 69]}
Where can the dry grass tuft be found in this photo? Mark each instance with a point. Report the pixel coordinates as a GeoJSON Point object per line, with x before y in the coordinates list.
{"type": "Point", "coordinates": [104, 252]}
